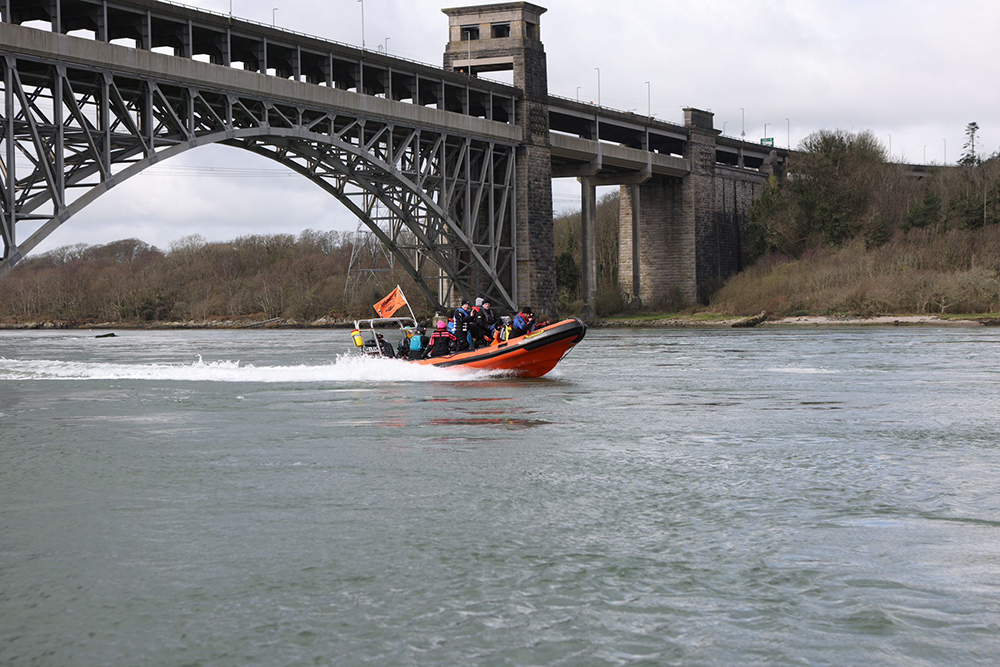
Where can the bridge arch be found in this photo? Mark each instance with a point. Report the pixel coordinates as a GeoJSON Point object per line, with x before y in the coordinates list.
{"type": "Point", "coordinates": [431, 195]}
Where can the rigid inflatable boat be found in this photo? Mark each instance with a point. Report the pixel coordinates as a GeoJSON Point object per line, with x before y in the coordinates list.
{"type": "Point", "coordinates": [531, 355]}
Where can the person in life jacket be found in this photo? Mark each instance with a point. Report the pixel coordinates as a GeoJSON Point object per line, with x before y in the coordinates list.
{"type": "Point", "coordinates": [523, 323]}
{"type": "Point", "coordinates": [418, 343]}
{"type": "Point", "coordinates": [501, 331]}
{"type": "Point", "coordinates": [462, 316]}
{"type": "Point", "coordinates": [403, 349]}
{"type": "Point", "coordinates": [483, 321]}
{"type": "Point", "coordinates": [380, 343]}
{"type": "Point", "coordinates": [442, 341]}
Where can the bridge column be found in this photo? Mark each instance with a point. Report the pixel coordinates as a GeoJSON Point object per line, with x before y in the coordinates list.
{"type": "Point", "coordinates": [672, 246]}
{"type": "Point", "coordinates": [629, 246]}
{"type": "Point", "coordinates": [636, 265]}
{"type": "Point", "coordinates": [506, 36]}
{"type": "Point", "coordinates": [588, 227]}
{"type": "Point", "coordinates": [700, 198]}
{"type": "Point", "coordinates": [656, 260]}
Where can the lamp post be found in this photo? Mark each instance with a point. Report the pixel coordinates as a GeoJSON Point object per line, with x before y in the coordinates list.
{"type": "Point", "coordinates": [386, 46]}
{"type": "Point", "coordinates": [274, 13]}
{"type": "Point", "coordinates": [788, 145]}
{"type": "Point", "coordinates": [598, 85]}
{"type": "Point", "coordinates": [890, 148]}
{"type": "Point", "coordinates": [649, 101]}
{"type": "Point", "coordinates": [724, 126]}
{"type": "Point", "coordinates": [578, 93]}
{"type": "Point", "coordinates": [362, 24]}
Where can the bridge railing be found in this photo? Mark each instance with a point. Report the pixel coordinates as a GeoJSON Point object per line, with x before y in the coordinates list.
{"type": "Point", "coordinates": [647, 119]}
{"type": "Point", "coordinates": [326, 39]}
{"type": "Point", "coordinates": [287, 31]}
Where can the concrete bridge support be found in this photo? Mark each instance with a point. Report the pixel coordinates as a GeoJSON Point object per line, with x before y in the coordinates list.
{"type": "Point", "coordinates": [662, 238]}
{"type": "Point", "coordinates": [699, 194]}
{"type": "Point", "coordinates": [588, 233]}
{"type": "Point", "coordinates": [680, 238]}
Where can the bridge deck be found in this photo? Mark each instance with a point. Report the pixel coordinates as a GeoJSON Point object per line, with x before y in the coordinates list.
{"type": "Point", "coordinates": [47, 46]}
{"type": "Point", "coordinates": [241, 45]}
{"type": "Point", "coordinates": [195, 34]}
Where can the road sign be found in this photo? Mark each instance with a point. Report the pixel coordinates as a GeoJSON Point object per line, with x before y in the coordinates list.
{"type": "Point", "coordinates": [767, 141]}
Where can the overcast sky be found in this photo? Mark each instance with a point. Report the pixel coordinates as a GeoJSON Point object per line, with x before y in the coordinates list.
{"type": "Point", "coordinates": [914, 72]}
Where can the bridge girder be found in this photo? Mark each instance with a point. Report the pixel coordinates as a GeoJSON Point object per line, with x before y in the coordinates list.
{"type": "Point", "coordinates": [69, 133]}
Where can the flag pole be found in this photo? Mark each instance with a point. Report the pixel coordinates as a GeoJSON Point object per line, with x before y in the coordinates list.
{"type": "Point", "coordinates": [414, 317]}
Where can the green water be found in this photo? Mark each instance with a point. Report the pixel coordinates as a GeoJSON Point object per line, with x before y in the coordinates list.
{"type": "Point", "coordinates": [820, 496]}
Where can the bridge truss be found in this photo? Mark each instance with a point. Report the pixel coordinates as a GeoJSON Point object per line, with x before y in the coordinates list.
{"type": "Point", "coordinates": [69, 133]}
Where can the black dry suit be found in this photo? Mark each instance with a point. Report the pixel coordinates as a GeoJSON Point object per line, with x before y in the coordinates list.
{"type": "Point", "coordinates": [442, 342]}
{"type": "Point", "coordinates": [382, 344]}
{"type": "Point", "coordinates": [483, 321]}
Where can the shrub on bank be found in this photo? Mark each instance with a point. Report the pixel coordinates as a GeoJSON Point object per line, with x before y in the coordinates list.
{"type": "Point", "coordinates": [915, 272]}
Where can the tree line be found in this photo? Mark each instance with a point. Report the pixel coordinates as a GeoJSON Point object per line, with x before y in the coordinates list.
{"type": "Point", "coordinates": [849, 231]}
{"type": "Point", "coordinates": [842, 187]}
{"type": "Point", "coordinates": [567, 231]}
{"type": "Point", "coordinates": [301, 278]}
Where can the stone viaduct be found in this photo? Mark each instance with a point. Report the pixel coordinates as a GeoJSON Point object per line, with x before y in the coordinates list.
{"type": "Point", "coordinates": [453, 172]}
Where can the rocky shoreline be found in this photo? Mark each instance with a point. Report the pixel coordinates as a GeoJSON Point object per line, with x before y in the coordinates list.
{"type": "Point", "coordinates": [683, 322]}
{"type": "Point", "coordinates": [274, 323]}
{"type": "Point", "coordinates": [676, 322]}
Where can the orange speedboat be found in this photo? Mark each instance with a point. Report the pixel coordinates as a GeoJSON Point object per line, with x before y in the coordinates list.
{"type": "Point", "coordinates": [532, 355]}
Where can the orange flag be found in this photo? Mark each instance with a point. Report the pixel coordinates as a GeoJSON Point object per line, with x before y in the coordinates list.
{"type": "Point", "coordinates": [388, 306]}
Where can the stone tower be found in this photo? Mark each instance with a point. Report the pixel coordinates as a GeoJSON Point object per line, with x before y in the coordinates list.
{"type": "Point", "coordinates": [502, 37]}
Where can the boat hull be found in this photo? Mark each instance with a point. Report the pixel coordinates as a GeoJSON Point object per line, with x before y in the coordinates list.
{"type": "Point", "coordinates": [531, 355]}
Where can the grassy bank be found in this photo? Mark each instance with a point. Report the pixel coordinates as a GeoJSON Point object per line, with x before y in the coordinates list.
{"type": "Point", "coordinates": [921, 271]}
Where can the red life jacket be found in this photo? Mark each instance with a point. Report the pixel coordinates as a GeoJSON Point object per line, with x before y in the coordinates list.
{"type": "Point", "coordinates": [441, 343]}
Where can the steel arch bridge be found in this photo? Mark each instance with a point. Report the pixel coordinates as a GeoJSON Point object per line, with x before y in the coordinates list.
{"type": "Point", "coordinates": [441, 200]}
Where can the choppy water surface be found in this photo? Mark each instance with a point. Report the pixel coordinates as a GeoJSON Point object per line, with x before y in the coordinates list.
{"type": "Point", "coordinates": [698, 497]}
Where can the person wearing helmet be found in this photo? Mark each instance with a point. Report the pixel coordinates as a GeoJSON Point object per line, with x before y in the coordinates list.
{"type": "Point", "coordinates": [442, 341]}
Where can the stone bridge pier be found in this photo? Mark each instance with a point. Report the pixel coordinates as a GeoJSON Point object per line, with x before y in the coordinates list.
{"type": "Point", "coordinates": [507, 37]}
{"type": "Point", "coordinates": [681, 237]}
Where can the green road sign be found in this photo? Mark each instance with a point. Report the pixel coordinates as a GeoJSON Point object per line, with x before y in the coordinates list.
{"type": "Point", "coordinates": [767, 141]}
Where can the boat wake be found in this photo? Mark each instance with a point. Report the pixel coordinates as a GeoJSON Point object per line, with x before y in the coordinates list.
{"type": "Point", "coordinates": [345, 369]}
